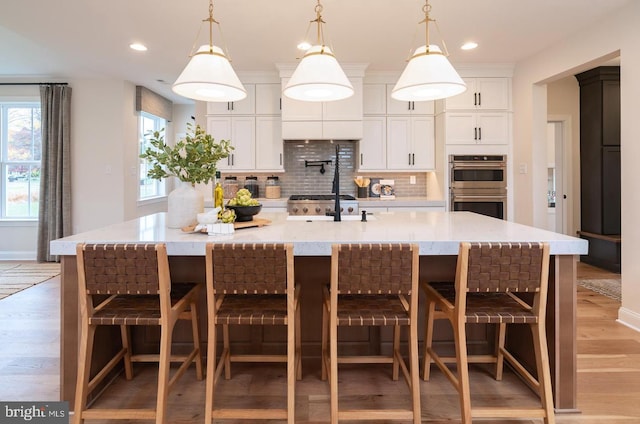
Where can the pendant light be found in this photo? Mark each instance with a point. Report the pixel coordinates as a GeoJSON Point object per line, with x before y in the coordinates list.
{"type": "Point", "coordinates": [209, 76]}
{"type": "Point", "coordinates": [428, 75]}
{"type": "Point", "coordinates": [318, 77]}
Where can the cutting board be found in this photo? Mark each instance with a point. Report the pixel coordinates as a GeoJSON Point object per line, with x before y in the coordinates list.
{"type": "Point", "coordinates": [256, 222]}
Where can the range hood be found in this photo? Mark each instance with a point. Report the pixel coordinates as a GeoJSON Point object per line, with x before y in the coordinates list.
{"type": "Point", "coordinates": [322, 130]}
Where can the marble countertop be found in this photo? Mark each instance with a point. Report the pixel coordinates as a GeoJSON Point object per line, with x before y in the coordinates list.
{"type": "Point", "coordinates": [437, 233]}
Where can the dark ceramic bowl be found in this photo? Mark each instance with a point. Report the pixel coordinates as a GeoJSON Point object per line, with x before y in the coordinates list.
{"type": "Point", "coordinates": [245, 213]}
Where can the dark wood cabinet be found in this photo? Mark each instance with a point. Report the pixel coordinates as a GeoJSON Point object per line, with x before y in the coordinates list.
{"type": "Point", "coordinates": [600, 165]}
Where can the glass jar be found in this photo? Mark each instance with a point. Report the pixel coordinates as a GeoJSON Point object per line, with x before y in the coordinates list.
{"type": "Point", "coordinates": [230, 187]}
{"type": "Point", "coordinates": [251, 184]}
{"type": "Point", "coordinates": [272, 188]}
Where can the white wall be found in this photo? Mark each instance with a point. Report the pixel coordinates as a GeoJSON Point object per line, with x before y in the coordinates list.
{"type": "Point", "coordinates": [618, 34]}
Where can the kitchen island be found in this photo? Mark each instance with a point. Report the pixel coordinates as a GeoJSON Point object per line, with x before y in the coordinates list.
{"type": "Point", "coordinates": [437, 234]}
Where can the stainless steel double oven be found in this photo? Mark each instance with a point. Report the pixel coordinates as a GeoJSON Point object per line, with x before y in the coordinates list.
{"type": "Point", "coordinates": [478, 183]}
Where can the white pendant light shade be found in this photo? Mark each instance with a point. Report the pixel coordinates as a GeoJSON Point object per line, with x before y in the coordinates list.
{"type": "Point", "coordinates": [209, 77]}
{"type": "Point", "coordinates": [318, 78]}
{"type": "Point", "coordinates": [428, 76]}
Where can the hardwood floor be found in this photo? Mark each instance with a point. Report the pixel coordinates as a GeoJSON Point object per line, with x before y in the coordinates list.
{"type": "Point", "coordinates": [608, 371]}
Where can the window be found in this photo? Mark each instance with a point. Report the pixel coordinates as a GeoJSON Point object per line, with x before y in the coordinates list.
{"type": "Point", "coordinates": [20, 156]}
{"type": "Point", "coordinates": [149, 188]}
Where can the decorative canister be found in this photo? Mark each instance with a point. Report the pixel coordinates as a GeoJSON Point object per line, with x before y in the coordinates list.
{"type": "Point", "coordinates": [251, 184]}
{"type": "Point", "coordinates": [272, 187]}
{"type": "Point", "coordinates": [230, 187]}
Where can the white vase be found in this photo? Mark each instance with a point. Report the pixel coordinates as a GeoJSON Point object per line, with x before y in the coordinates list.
{"type": "Point", "coordinates": [184, 204]}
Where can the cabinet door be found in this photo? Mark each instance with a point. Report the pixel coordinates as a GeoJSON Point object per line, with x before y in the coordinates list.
{"type": "Point", "coordinates": [398, 143]}
{"type": "Point", "coordinates": [372, 146]}
{"type": "Point", "coordinates": [461, 128]}
{"type": "Point", "coordinates": [241, 132]}
{"type": "Point", "coordinates": [268, 99]}
{"type": "Point", "coordinates": [269, 144]}
{"type": "Point", "coordinates": [243, 135]}
{"type": "Point", "coordinates": [220, 129]}
{"type": "Point", "coordinates": [465, 100]}
{"type": "Point", "coordinates": [245, 106]}
{"type": "Point", "coordinates": [374, 99]}
{"type": "Point", "coordinates": [349, 109]}
{"type": "Point", "coordinates": [396, 107]}
{"type": "Point", "coordinates": [423, 146]}
{"type": "Point", "coordinates": [493, 93]}
{"type": "Point", "coordinates": [296, 110]}
{"type": "Point", "coordinates": [493, 128]}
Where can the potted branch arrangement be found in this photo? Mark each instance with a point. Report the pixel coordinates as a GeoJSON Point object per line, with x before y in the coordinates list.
{"type": "Point", "coordinates": [192, 160]}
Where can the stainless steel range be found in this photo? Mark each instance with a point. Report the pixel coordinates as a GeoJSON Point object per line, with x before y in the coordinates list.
{"type": "Point", "coordinates": [320, 204]}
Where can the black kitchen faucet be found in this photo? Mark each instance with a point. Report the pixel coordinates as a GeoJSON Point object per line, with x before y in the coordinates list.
{"type": "Point", "coordinates": [336, 187]}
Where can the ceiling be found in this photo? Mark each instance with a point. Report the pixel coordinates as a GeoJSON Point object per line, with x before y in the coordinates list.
{"type": "Point", "coordinates": [62, 39]}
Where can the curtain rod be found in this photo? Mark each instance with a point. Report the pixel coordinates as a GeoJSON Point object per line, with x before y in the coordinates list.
{"type": "Point", "coordinates": [33, 83]}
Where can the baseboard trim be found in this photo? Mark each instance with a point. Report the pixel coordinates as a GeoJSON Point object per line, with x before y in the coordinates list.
{"type": "Point", "coordinates": [26, 255]}
{"type": "Point", "coordinates": [629, 318]}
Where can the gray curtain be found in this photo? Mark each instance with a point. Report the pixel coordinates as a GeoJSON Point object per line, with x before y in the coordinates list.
{"type": "Point", "coordinates": [55, 179]}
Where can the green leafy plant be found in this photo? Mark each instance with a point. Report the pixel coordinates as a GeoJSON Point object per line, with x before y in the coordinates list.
{"type": "Point", "coordinates": [193, 159]}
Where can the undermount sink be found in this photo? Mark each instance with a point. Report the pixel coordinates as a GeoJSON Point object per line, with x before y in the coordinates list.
{"type": "Point", "coordinates": [327, 218]}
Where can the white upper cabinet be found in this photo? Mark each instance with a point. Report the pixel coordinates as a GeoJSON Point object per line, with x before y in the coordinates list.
{"type": "Point", "coordinates": [268, 99]}
{"type": "Point", "coordinates": [374, 97]}
{"type": "Point", "coordinates": [411, 143]}
{"type": "Point", "coordinates": [478, 128]}
{"type": "Point", "coordinates": [397, 107]}
{"type": "Point", "coordinates": [241, 131]}
{"type": "Point", "coordinates": [246, 106]}
{"type": "Point", "coordinates": [482, 93]}
{"type": "Point", "coordinates": [269, 144]}
{"type": "Point", "coordinates": [373, 146]}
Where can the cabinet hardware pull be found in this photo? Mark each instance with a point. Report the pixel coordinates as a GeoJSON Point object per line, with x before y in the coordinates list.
{"type": "Point", "coordinates": [280, 103]}
{"type": "Point", "coordinates": [475, 99]}
{"type": "Point", "coordinates": [280, 159]}
{"type": "Point", "coordinates": [232, 159]}
{"type": "Point", "coordinates": [475, 132]}
{"type": "Point", "coordinates": [409, 158]}
{"type": "Point", "coordinates": [479, 99]}
{"type": "Point", "coordinates": [361, 158]}
{"type": "Point", "coordinates": [480, 133]}
{"type": "Point", "coordinates": [413, 158]}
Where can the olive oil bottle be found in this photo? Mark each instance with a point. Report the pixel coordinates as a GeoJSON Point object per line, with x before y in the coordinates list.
{"type": "Point", "coordinates": [218, 193]}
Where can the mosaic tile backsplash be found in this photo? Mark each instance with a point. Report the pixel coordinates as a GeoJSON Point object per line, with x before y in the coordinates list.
{"type": "Point", "coordinates": [298, 179]}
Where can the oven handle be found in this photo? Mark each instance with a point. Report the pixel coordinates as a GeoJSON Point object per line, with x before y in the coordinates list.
{"type": "Point", "coordinates": [463, 197]}
{"type": "Point", "coordinates": [481, 165]}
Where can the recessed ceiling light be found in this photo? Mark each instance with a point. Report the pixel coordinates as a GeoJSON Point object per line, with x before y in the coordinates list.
{"type": "Point", "coordinates": [138, 47]}
{"type": "Point", "coordinates": [469, 45]}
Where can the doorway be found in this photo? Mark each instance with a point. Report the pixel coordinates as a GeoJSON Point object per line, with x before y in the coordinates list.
{"type": "Point", "coordinates": [556, 177]}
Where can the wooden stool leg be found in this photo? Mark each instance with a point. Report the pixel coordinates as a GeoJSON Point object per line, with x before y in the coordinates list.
{"type": "Point", "coordinates": [428, 340]}
{"type": "Point", "coordinates": [325, 342]}
{"type": "Point", "coordinates": [500, 339]}
{"type": "Point", "coordinates": [415, 371]}
{"type": "Point", "coordinates": [291, 370]}
{"type": "Point", "coordinates": [125, 334]}
{"type": "Point", "coordinates": [333, 365]}
{"type": "Point", "coordinates": [211, 371]}
{"type": "Point", "coordinates": [544, 375]}
{"type": "Point", "coordinates": [84, 370]}
{"type": "Point", "coordinates": [396, 352]}
{"type": "Point", "coordinates": [462, 364]}
{"type": "Point", "coordinates": [164, 367]}
{"type": "Point", "coordinates": [227, 360]}
{"type": "Point", "coordinates": [197, 345]}
{"type": "Point", "coordinates": [298, 344]}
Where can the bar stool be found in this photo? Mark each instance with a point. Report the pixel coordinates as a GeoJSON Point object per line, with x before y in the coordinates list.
{"type": "Point", "coordinates": [372, 285]}
{"type": "Point", "coordinates": [487, 276]}
{"type": "Point", "coordinates": [251, 284]}
{"type": "Point", "coordinates": [128, 285]}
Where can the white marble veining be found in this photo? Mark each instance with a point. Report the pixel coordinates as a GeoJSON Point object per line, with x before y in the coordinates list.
{"type": "Point", "coordinates": [437, 233]}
